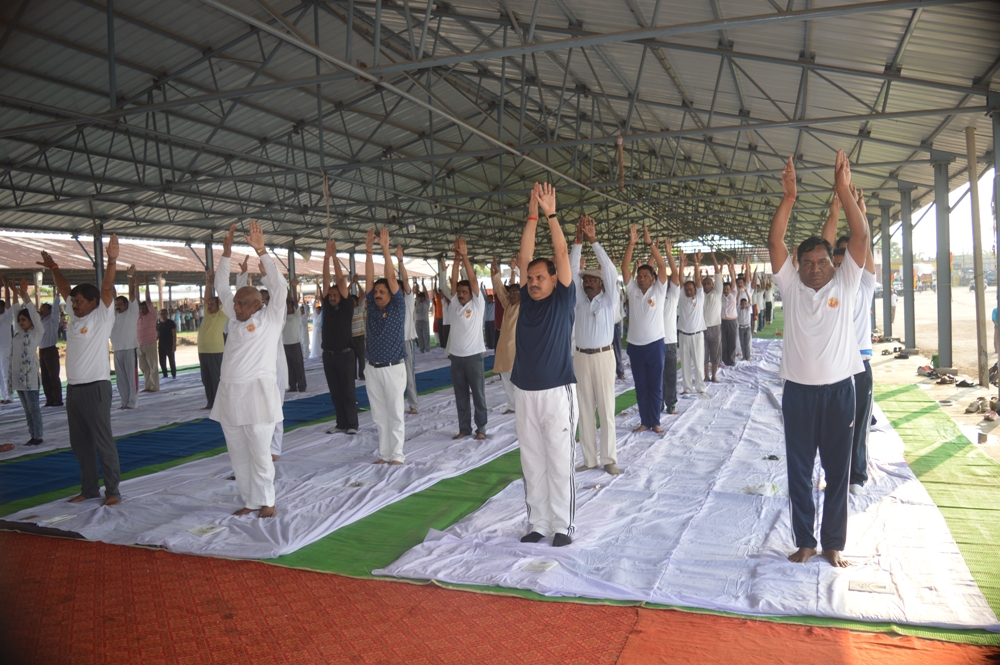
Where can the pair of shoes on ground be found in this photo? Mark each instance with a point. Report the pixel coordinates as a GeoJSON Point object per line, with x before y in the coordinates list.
{"type": "Point", "coordinates": [610, 468]}
{"type": "Point", "coordinates": [338, 430]}
{"type": "Point", "coordinates": [558, 540]}
{"type": "Point", "coordinates": [857, 489]}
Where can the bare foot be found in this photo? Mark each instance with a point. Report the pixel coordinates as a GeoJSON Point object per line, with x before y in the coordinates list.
{"type": "Point", "coordinates": [413, 412]}
{"type": "Point", "coordinates": [111, 501]}
{"type": "Point", "coordinates": [640, 428]}
{"type": "Point", "coordinates": [380, 461]}
{"type": "Point", "coordinates": [274, 458]}
{"type": "Point", "coordinates": [458, 436]}
{"type": "Point", "coordinates": [267, 511]}
{"type": "Point", "coordinates": [395, 463]}
{"type": "Point", "coordinates": [480, 436]}
{"type": "Point", "coordinates": [658, 429]}
{"type": "Point", "coordinates": [507, 412]}
{"type": "Point", "coordinates": [714, 380]}
{"type": "Point", "coordinates": [833, 556]}
{"type": "Point", "coordinates": [243, 511]}
{"type": "Point", "coordinates": [77, 499]}
{"type": "Point", "coordinates": [802, 554]}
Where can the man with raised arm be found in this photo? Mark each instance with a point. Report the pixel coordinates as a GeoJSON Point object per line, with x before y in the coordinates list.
{"type": "Point", "coordinates": [545, 385]}
{"type": "Point", "coordinates": [421, 317]}
{"type": "Point", "coordinates": [211, 342]}
{"type": "Point", "coordinates": [713, 322]}
{"type": "Point", "coordinates": [509, 297]}
{"type": "Point", "coordinates": [124, 342]}
{"type": "Point", "coordinates": [670, 331]}
{"type": "Point", "coordinates": [730, 329]}
{"type": "Point", "coordinates": [466, 347]}
{"type": "Point", "coordinates": [248, 402]}
{"type": "Point", "coordinates": [88, 374]}
{"type": "Point", "coordinates": [691, 329]}
{"type": "Point", "coordinates": [146, 337]}
{"type": "Point", "coordinates": [646, 294]}
{"type": "Point", "coordinates": [594, 360]}
{"type": "Point", "coordinates": [409, 332]}
{"type": "Point", "coordinates": [291, 339]}
{"type": "Point", "coordinates": [386, 355]}
{"type": "Point", "coordinates": [48, 354]}
{"type": "Point", "coordinates": [339, 361]}
{"type": "Point", "coordinates": [863, 383]}
{"type": "Point", "coordinates": [819, 359]}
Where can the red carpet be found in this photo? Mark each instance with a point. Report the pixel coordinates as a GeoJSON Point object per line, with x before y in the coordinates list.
{"type": "Point", "coordinates": [66, 601]}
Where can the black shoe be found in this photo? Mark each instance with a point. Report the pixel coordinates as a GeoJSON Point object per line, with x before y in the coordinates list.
{"type": "Point", "coordinates": [532, 537]}
{"type": "Point", "coordinates": [33, 442]}
{"type": "Point", "coordinates": [561, 540]}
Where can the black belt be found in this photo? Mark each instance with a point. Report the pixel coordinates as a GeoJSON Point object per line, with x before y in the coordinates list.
{"type": "Point", "coordinates": [691, 334]}
{"type": "Point", "coordinates": [394, 362]}
{"type": "Point", "coordinates": [591, 352]}
{"type": "Point", "coordinates": [347, 350]}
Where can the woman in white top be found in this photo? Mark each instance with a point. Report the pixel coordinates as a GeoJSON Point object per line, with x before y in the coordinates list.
{"type": "Point", "coordinates": [23, 376]}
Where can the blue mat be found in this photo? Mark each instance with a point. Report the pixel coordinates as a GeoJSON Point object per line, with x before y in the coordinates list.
{"type": "Point", "coordinates": [22, 479]}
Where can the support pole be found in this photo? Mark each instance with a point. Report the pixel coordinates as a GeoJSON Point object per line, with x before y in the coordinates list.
{"type": "Point", "coordinates": [39, 275]}
{"type": "Point", "coordinates": [993, 102]}
{"type": "Point", "coordinates": [982, 354]}
{"type": "Point", "coordinates": [159, 289]}
{"type": "Point", "coordinates": [210, 263]}
{"type": "Point", "coordinates": [886, 273]}
{"type": "Point", "coordinates": [291, 264]}
{"type": "Point", "coordinates": [942, 209]}
{"type": "Point", "coordinates": [909, 315]}
{"type": "Point", "coordinates": [352, 266]}
{"type": "Point", "coordinates": [99, 253]}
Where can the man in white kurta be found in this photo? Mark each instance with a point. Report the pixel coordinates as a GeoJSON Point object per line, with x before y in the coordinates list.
{"type": "Point", "coordinates": [691, 330]}
{"type": "Point", "coordinates": [248, 402]}
{"type": "Point", "coordinates": [7, 310]}
{"type": "Point", "coordinates": [594, 357]}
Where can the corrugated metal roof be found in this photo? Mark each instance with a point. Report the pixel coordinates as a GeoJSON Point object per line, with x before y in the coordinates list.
{"type": "Point", "coordinates": [182, 172]}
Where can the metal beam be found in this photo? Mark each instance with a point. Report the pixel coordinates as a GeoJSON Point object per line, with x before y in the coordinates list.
{"type": "Point", "coordinates": [910, 327]}
{"type": "Point", "coordinates": [941, 192]}
{"type": "Point", "coordinates": [886, 273]}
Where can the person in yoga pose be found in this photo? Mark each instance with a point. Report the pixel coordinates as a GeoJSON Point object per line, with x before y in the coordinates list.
{"type": "Point", "coordinates": [466, 347]}
{"type": "Point", "coordinates": [248, 401]}
{"type": "Point", "coordinates": [819, 360]}
{"type": "Point", "coordinates": [544, 382]}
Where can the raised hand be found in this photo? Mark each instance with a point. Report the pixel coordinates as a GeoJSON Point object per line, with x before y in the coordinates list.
{"type": "Point", "coordinates": [461, 248]}
{"type": "Point", "coordinates": [294, 282]}
{"type": "Point", "coordinates": [645, 235]}
{"type": "Point", "coordinates": [668, 247]}
{"type": "Point", "coordinates": [227, 242]}
{"type": "Point", "coordinates": [495, 265]}
{"type": "Point", "coordinates": [589, 231]}
{"type": "Point", "coordinates": [112, 251]}
{"type": "Point", "coordinates": [861, 201]}
{"type": "Point", "coordinates": [209, 276]}
{"type": "Point", "coordinates": [370, 241]}
{"type": "Point", "coordinates": [255, 237]}
{"type": "Point", "coordinates": [546, 198]}
{"type": "Point", "coordinates": [842, 170]}
{"type": "Point", "coordinates": [47, 261]}
{"type": "Point", "coordinates": [245, 265]}
{"type": "Point", "coordinates": [331, 247]}
{"type": "Point", "coordinates": [788, 180]}
{"type": "Point", "coordinates": [130, 271]}
{"type": "Point", "coordinates": [533, 203]}
{"type": "Point", "coordinates": [399, 253]}
{"type": "Point", "coordinates": [633, 235]}
{"type": "Point", "coordinates": [697, 258]}
{"type": "Point", "coordinates": [383, 238]}
{"type": "Point", "coordinates": [24, 287]}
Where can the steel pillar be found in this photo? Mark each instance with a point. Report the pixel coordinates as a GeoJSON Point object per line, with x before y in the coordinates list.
{"type": "Point", "coordinates": [99, 252]}
{"type": "Point", "coordinates": [210, 263]}
{"type": "Point", "coordinates": [993, 102]}
{"type": "Point", "coordinates": [291, 261]}
{"type": "Point", "coordinates": [886, 273]}
{"type": "Point", "coordinates": [906, 216]}
{"type": "Point", "coordinates": [942, 208]}
{"type": "Point", "coordinates": [352, 266]}
{"type": "Point", "coordinates": [982, 354]}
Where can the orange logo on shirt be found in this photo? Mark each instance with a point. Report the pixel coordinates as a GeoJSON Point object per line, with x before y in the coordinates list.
{"type": "Point", "coordinates": [251, 328]}
{"type": "Point", "coordinates": [83, 330]}
{"type": "Point", "coordinates": [468, 313]}
{"type": "Point", "coordinates": [652, 303]}
{"type": "Point", "coordinates": [833, 302]}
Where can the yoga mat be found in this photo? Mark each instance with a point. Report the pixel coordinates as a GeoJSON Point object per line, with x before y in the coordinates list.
{"type": "Point", "coordinates": [25, 478]}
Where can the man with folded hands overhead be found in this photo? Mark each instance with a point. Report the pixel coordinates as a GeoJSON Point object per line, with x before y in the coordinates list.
{"type": "Point", "coordinates": [465, 345]}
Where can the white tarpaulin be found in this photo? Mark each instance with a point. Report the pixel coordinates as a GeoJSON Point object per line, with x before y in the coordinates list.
{"type": "Point", "coordinates": [322, 482]}
{"type": "Point", "coordinates": [699, 517]}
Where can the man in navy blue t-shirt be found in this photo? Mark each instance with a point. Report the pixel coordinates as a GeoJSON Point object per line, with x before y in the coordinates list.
{"type": "Point", "coordinates": [385, 306]}
{"type": "Point", "coordinates": [544, 383]}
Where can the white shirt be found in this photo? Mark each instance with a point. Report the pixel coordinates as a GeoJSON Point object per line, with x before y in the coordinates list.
{"type": "Point", "coordinates": [594, 325]}
{"type": "Point", "coordinates": [729, 306]}
{"type": "Point", "coordinates": [862, 312]}
{"type": "Point", "coordinates": [409, 327]}
{"type": "Point", "coordinates": [291, 333]}
{"type": "Point", "coordinates": [466, 335]}
{"type": "Point", "coordinates": [248, 387]}
{"type": "Point", "coordinates": [87, 345]}
{"type": "Point", "coordinates": [670, 313]}
{"type": "Point", "coordinates": [691, 312]}
{"type": "Point", "coordinates": [769, 294]}
{"type": "Point", "coordinates": [820, 346]}
{"type": "Point", "coordinates": [713, 307]}
{"type": "Point", "coordinates": [892, 299]}
{"type": "Point", "coordinates": [645, 312]}
{"type": "Point", "coordinates": [123, 334]}
{"type": "Point", "coordinates": [744, 315]}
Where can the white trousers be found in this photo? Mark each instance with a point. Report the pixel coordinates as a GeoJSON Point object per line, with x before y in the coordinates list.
{"type": "Point", "coordinates": [595, 389]}
{"type": "Point", "coordinates": [691, 349]}
{"type": "Point", "coordinates": [411, 378]}
{"type": "Point", "coordinates": [546, 429]}
{"type": "Point", "coordinates": [249, 452]}
{"type": "Point", "coordinates": [278, 435]}
{"type": "Point", "coordinates": [385, 394]}
{"type": "Point", "coordinates": [127, 377]}
{"type": "Point", "coordinates": [4, 373]}
{"type": "Point", "coordinates": [508, 389]}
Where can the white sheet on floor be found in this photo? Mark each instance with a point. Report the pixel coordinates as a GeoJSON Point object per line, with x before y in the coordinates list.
{"type": "Point", "coordinates": [679, 526]}
{"type": "Point", "coordinates": [322, 482]}
{"type": "Point", "coordinates": [179, 400]}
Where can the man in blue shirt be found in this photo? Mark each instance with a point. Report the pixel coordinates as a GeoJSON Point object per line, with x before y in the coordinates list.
{"type": "Point", "coordinates": [385, 307]}
{"type": "Point", "coordinates": [543, 378]}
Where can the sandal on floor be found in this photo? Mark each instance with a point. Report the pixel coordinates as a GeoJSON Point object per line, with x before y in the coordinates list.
{"type": "Point", "coordinates": [6, 448]}
{"type": "Point", "coordinates": [964, 383]}
{"type": "Point", "coordinates": [901, 356]}
{"type": "Point", "coordinates": [946, 380]}
{"type": "Point", "coordinates": [991, 416]}
{"type": "Point", "coordinates": [886, 352]}
{"type": "Point", "coordinates": [974, 407]}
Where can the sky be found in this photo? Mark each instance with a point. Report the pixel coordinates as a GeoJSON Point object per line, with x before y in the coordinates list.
{"type": "Point", "coordinates": [925, 233]}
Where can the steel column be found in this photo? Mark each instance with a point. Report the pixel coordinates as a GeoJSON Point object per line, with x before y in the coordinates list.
{"type": "Point", "coordinates": [906, 216]}
{"type": "Point", "coordinates": [291, 260]}
{"type": "Point", "coordinates": [942, 209]}
{"type": "Point", "coordinates": [210, 263]}
{"type": "Point", "coordinates": [993, 101]}
{"type": "Point", "coordinates": [982, 354]}
{"type": "Point", "coordinates": [99, 252]}
{"type": "Point", "coordinates": [886, 273]}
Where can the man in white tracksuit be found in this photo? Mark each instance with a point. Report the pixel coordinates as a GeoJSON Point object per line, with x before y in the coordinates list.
{"type": "Point", "coordinates": [125, 343]}
{"type": "Point", "coordinates": [248, 402]}
{"type": "Point", "coordinates": [691, 330]}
